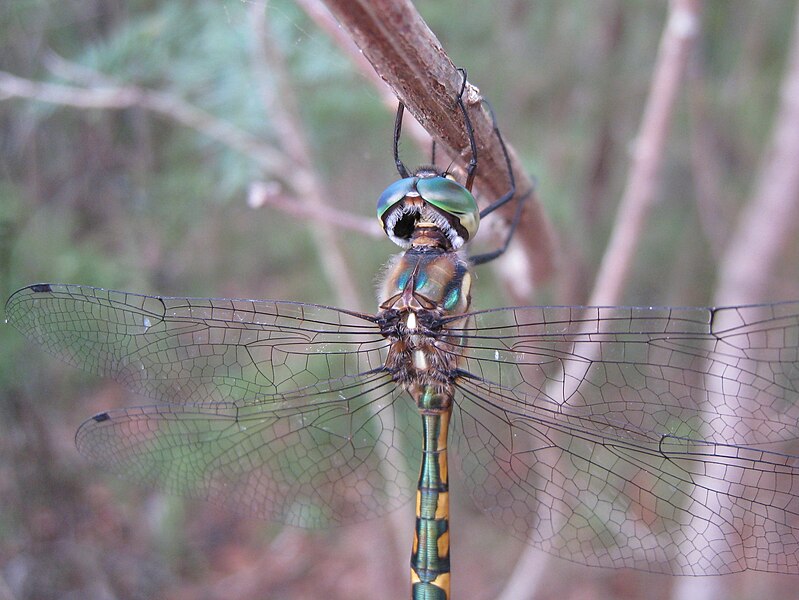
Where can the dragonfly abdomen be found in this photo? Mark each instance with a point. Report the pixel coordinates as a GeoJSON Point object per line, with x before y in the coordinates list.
{"type": "Point", "coordinates": [430, 566]}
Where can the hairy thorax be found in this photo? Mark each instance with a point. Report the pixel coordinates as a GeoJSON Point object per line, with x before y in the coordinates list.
{"type": "Point", "coordinates": [421, 289]}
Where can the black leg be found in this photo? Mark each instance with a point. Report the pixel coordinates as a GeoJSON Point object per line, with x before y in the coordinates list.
{"type": "Point", "coordinates": [471, 169]}
{"type": "Point", "coordinates": [401, 169]}
{"type": "Point", "coordinates": [507, 196]}
{"type": "Point", "coordinates": [504, 199]}
{"type": "Point", "coordinates": [489, 256]}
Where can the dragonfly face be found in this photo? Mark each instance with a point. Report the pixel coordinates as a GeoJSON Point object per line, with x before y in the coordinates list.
{"type": "Point", "coordinates": [428, 198]}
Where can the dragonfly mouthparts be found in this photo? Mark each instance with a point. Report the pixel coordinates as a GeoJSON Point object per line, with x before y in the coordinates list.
{"type": "Point", "coordinates": [407, 217]}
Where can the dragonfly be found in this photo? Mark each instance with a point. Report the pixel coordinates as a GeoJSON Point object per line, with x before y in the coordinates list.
{"type": "Point", "coordinates": [662, 439]}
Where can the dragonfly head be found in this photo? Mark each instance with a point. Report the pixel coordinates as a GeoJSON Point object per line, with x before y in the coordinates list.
{"type": "Point", "coordinates": [428, 200]}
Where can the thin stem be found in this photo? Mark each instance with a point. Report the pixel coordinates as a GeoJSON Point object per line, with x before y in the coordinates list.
{"type": "Point", "coordinates": [681, 27]}
{"type": "Point", "coordinates": [639, 193]}
{"type": "Point", "coordinates": [262, 193]}
{"type": "Point", "coordinates": [281, 103]}
{"type": "Point", "coordinates": [161, 103]}
{"type": "Point", "coordinates": [767, 224]}
{"type": "Point", "coordinates": [324, 19]}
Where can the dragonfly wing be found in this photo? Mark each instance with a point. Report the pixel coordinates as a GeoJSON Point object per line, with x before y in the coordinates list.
{"type": "Point", "coordinates": [304, 461]}
{"type": "Point", "coordinates": [584, 492]}
{"type": "Point", "coordinates": [730, 373]}
{"type": "Point", "coordinates": [658, 439]}
{"type": "Point", "coordinates": [275, 409]}
{"type": "Point", "coordinates": [190, 350]}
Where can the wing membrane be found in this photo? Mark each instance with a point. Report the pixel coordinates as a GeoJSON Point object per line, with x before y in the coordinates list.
{"type": "Point", "coordinates": [656, 438]}
{"type": "Point", "coordinates": [659, 439]}
{"type": "Point", "coordinates": [275, 409]}
{"type": "Point", "coordinates": [317, 462]}
{"type": "Point", "coordinates": [189, 350]}
{"type": "Point", "coordinates": [732, 373]}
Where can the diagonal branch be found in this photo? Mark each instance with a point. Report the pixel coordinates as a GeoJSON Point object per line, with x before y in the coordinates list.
{"type": "Point", "coordinates": [409, 58]}
{"type": "Point", "coordinates": [682, 26]}
{"type": "Point", "coordinates": [263, 193]}
{"type": "Point", "coordinates": [767, 225]}
{"type": "Point", "coordinates": [281, 103]}
{"type": "Point", "coordinates": [104, 92]}
{"type": "Point", "coordinates": [324, 19]}
{"type": "Point", "coordinates": [639, 193]}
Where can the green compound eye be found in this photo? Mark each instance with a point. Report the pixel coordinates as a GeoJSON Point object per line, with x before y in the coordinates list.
{"type": "Point", "coordinates": [431, 198]}
{"type": "Point", "coordinates": [453, 199]}
{"type": "Point", "coordinates": [393, 194]}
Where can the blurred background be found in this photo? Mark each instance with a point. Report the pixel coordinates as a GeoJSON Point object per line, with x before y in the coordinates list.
{"type": "Point", "coordinates": [135, 145]}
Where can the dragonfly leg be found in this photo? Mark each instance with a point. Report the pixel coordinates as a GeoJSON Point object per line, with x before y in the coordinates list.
{"type": "Point", "coordinates": [401, 168]}
{"type": "Point", "coordinates": [503, 200]}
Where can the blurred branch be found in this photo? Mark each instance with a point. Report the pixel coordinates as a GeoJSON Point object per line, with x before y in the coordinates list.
{"type": "Point", "coordinates": [164, 104]}
{"type": "Point", "coordinates": [280, 101]}
{"type": "Point", "coordinates": [76, 72]}
{"type": "Point", "coordinates": [714, 213]}
{"type": "Point", "coordinates": [102, 92]}
{"type": "Point", "coordinates": [681, 29]}
{"type": "Point", "coordinates": [766, 227]}
{"type": "Point", "coordinates": [5, 590]}
{"type": "Point", "coordinates": [270, 193]}
{"type": "Point", "coordinates": [768, 223]}
{"type": "Point", "coordinates": [409, 58]}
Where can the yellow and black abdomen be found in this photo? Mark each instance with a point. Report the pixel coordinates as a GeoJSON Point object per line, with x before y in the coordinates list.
{"type": "Point", "coordinates": [430, 566]}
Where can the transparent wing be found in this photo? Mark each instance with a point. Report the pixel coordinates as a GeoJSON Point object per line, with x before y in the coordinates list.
{"type": "Point", "coordinates": [310, 461]}
{"type": "Point", "coordinates": [193, 350]}
{"type": "Point", "coordinates": [275, 409]}
{"type": "Point", "coordinates": [659, 439]}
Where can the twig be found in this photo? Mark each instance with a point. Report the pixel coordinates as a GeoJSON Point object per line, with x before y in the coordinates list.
{"type": "Point", "coordinates": [167, 105]}
{"type": "Point", "coordinates": [714, 213]}
{"type": "Point", "coordinates": [409, 58]}
{"type": "Point", "coordinates": [767, 225]}
{"type": "Point", "coordinates": [324, 19]}
{"type": "Point", "coordinates": [765, 229]}
{"type": "Point", "coordinates": [76, 72]}
{"type": "Point", "coordinates": [287, 123]}
{"type": "Point", "coordinates": [305, 183]}
{"type": "Point", "coordinates": [639, 193]}
{"type": "Point", "coordinates": [112, 95]}
{"type": "Point", "coordinates": [681, 27]}
{"type": "Point", "coordinates": [261, 193]}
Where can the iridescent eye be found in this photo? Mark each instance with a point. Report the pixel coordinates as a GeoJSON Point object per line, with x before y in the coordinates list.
{"type": "Point", "coordinates": [393, 194]}
{"type": "Point", "coordinates": [453, 199]}
{"type": "Point", "coordinates": [431, 199]}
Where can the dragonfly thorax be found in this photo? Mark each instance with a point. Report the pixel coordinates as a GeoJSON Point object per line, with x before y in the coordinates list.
{"type": "Point", "coordinates": [422, 288]}
{"type": "Point", "coordinates": [427, 278]}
